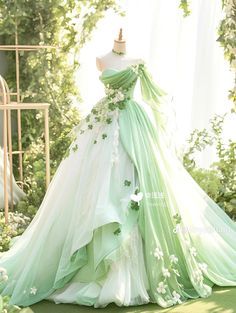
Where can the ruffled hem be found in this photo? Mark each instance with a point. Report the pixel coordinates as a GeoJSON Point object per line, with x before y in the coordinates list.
{"type": "Point", "coordinates": [120, 277]}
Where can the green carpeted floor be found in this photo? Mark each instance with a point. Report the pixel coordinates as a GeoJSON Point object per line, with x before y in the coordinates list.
{"type": "Point", "coordinates": [222, 300]}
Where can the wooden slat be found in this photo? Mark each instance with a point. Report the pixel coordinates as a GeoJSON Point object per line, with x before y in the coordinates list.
{"type": "Point", "coordinates": [25, 47]}
{"type": "Point", "coordinates": [7, 106]}
{"type": "Point", "coordinates": [46, 134]}
{"type": "Point", "coordinates": [18, 100]}
{"type": "Point", "coordinates": [6, 203]}
{"type": "Point", "coordinates": [16, 152]}
{"type": "Point", "coordinates": [24, 106]}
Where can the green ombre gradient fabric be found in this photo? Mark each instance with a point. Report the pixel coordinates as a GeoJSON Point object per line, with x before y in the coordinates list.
{"type": "Point", "coordinates": [122, 221]}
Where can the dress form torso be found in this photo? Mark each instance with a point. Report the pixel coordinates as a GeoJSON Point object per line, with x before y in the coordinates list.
{"type": "Point", "coordinates": [116, 61]}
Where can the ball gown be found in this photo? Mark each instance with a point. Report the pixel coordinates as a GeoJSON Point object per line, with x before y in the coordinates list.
{"type": "Point", "coordinates": [122, 221]}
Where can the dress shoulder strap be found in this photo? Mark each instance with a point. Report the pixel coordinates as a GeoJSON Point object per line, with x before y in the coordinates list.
{"type": "Point", "coordinates": [152, 94]}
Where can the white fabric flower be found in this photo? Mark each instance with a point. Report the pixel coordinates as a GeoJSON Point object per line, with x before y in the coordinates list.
{"type": "Point", "coordinates": [169, 302]}
{"type": "Point", "coordinates": [135, 68]}
{"type": "Point", "coordinates": [176, 272]}
{"type": "Point", "coordinates": [193, 251]}
{"type": "Point", "coordinates": [137, 197]}
{"type": "Point", "coordinates": [203, 267]}
{"type": "Point", "coordinates": [158, 253]}
{"type": "Point", "coordinates": [161, 287]}
{"type": "Point", "coordinates": [173, 258]}
{"type": "Point", "coordinates": [176, 297]}
{"type": "Point", "coordinates": [109, 91]}
{"type": "Point", "coordinates": [120, 96]}
{"type": "Point", "coordinates": [177, 229]}
{"type": "Point", "coordinates": [33, 290]}
{"type": "Point", "coordinates": [198, 277]}
{"type": "Point", "coordinates": [165, 272]}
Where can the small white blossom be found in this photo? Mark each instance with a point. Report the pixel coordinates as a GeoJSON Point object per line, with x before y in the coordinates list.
{"type": "Point", "coordinates": [176, 297]}
{"type": "Point", "coordinates": [158, 253]}
{"type": "Point", "coordinates": [115, 100]}
{"type": "Point", "coordinates": [173, 258]}
{"type": "Point", "coordinates": [38, 116]}
{"type": "Point", "coordinates": [33, 290]}
{"type": "Point", "coordinates": [165, 272]}
{"type": "Point", "coordinates": [161, 287]}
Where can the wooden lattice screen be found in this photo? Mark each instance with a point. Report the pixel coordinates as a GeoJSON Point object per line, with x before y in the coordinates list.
{"type": "Point", "coordinates": [6, 105]}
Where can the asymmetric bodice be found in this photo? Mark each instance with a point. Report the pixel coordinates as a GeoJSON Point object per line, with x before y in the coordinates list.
{"type": "Point", "coordinates": [120, 83]}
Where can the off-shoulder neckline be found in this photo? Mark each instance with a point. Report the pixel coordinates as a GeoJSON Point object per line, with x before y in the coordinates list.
{"type": "Point", "coordinates": [122, 70]}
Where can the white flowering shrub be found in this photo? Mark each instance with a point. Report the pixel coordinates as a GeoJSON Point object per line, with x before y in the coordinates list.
{"type": "Point", "coordinates": [18, 222]}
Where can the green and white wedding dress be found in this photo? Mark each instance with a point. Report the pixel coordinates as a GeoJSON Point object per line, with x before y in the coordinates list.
{"type": "Point", "coordinates": [122, 221]}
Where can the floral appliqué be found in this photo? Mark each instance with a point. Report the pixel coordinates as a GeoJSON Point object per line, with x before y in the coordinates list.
{"type": "Point", "coordinates": [134, 203]}
{"type": "Point", "coordinates": [166, 273]}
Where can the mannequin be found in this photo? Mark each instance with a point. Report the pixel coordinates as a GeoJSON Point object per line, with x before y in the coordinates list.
{"type": "Point", "coordinates": [117, 58]}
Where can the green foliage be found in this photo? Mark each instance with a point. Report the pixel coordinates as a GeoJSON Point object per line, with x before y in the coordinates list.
{"type": "Point", "coordinates": [5, 307]}
{"type": "Point", "coordinates": [227, 39]}
{"type": "Point", "coordinates": [220, 180]}
{"type": "Point", "coordinates": [47, 76]}
{"type": "Point", "coordinates": [184, 5]}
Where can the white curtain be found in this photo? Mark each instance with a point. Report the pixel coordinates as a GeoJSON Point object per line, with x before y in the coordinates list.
{"type": "Point", "coordinates": [182, 53]}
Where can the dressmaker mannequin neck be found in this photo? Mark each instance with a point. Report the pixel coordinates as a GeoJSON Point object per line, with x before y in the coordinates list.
{"type": "Point", "coordinates": [117, 58]}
